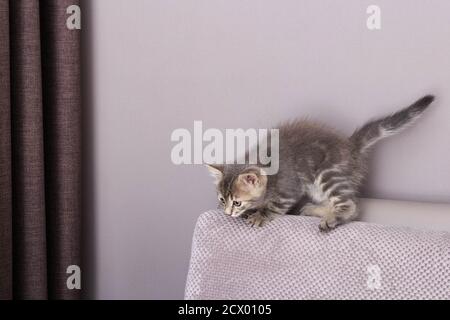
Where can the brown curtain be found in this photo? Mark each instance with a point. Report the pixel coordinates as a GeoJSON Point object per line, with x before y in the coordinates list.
{"type": "Point", "coordinates": [40, 149]}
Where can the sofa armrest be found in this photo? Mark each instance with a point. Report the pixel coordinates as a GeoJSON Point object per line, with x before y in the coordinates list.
{"type": "Point", "coordinates": [289, 258]}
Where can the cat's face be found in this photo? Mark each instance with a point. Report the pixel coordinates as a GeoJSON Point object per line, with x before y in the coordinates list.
{"type": "Point", "coordinates": [239, 189]}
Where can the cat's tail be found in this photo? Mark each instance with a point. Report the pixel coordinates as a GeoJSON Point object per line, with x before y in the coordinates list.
{"type": "Point", "coordinates": [373, 131]}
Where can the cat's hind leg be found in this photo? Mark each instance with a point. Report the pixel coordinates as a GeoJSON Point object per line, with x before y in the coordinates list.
{"type": "Point", "coordinates": [339, 207]}
{"type": "Point", "coordinates": [343, 208]}
{"type": "Point", "coordinates": [339, 186]}
{"type": "Point", "coordinates": [323, 210]}
{"type": "Point", "coordinates": [346, 208]}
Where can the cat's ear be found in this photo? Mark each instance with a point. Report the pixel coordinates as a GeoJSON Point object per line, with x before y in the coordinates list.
{"type": "Point", "coordinates": [216, 171]}
{"type": "Point", "coordinates": [253, 177]}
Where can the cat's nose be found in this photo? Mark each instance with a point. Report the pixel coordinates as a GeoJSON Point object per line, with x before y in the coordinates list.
{"type": "Point", "coordinates": [227, 211]}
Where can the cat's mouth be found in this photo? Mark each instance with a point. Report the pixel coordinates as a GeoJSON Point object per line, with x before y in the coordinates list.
{"type": "Point", "coordinates": [236, 214]}
{"type": "Point", "coordinates": [244, 212]}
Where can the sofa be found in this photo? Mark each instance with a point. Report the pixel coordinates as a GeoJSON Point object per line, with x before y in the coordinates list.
{"type": "Point", "coordinates": [401, 250]}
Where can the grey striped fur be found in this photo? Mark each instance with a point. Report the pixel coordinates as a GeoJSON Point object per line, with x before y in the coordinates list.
{"type": "Point", "coordinates": [320, 174]}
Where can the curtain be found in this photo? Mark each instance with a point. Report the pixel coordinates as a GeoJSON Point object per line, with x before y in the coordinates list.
{"type": "Point", "coordinates": [40, 149]}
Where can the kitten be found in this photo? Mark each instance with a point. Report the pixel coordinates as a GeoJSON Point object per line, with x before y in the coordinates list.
{"type": "Point", "coordinates": [320, 171]}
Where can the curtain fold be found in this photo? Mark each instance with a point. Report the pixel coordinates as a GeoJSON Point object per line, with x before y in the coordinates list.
{"type": "Point", "coordinates": [40, 149]}
{"type": "Point", "coordinates": [28, 188]}
{"type": "Point", "coordinates": [5, 158]}
{"type": "Point", "coordinates": [62, 116]}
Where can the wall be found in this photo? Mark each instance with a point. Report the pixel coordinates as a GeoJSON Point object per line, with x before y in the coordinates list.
{"type": "Point", "coordinates": [156, 65]}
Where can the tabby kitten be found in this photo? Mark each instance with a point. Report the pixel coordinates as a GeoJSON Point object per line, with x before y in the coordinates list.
{"type": "Point", "coordinates": [320, 172]}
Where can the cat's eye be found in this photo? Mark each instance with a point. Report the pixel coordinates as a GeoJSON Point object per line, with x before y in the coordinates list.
{"type": "Point", "coordinates": [237, 203]}
{"type": "Point", "coordinates": [222, 199]}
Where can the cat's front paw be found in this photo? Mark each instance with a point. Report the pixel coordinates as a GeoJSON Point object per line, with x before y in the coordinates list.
{"type": "Point", "coordinates": [257, 220]}
{"type": "Point", "coordinates": [327, 224]}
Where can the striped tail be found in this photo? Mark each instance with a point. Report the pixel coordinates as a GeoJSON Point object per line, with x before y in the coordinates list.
{"type": "Point", "coordinates": [373, 131]}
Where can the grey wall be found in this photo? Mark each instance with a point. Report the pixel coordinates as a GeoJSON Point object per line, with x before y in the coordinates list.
{"type": "Point", "coordinates": [157, 65]}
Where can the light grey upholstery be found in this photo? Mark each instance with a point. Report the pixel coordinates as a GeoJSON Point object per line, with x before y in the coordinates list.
{"type": "Point", "coordinates": [290, 259]}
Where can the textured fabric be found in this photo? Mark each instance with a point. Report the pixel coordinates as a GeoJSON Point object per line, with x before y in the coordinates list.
{"type": "Point", "coordinates": [5, 158]}
{"type": "Point", "coordinates": [40, 149]}
{"type": "Point", "coordinates": [62, 117]}
{"type": "Point", "coordinates": [30, 257]}
{"type": "Point", "coordinates": [290, 259]}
